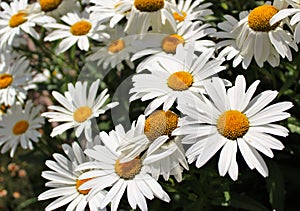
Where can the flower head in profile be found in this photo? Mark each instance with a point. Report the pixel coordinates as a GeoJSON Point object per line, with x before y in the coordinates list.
{"type": "Point", "coordinates": [77, 29]}
{"type": "Point", "coordinates": [112, 174]}
{"type": "Point", "coordinates": [174, 77]}
{"type": "Point", "coordinates": [18, 18]}
{"type": "Point", "coordinates": [64, 181]}
{"type": "Point", "coordinates": [253, 37]}
{"type": "Point", "coordinates": [20, 126]}
{"type": "Point", "coordinates": [232, 120]}
{"type": "Point", "coordinates": [79, 107]}
{"type": "Point", "coordinates": [15, 80]}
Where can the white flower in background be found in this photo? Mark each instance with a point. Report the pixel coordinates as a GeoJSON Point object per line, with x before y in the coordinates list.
{"type": "Point", "coordinates": [109, 171]}
{"type": "Point", "coordinates": [18, 18]}
{"type": "Point", "coordinates": [76, 30]}
{"type": "Point", "coordinates": [156, 14]}
{"type": "Point", "coordinates": [20, 126]}
{"type": "Point", "coordinates": [167, 41]}
{"type": "Point", "coordinates": [79, 107]}
{"type": "Point", "coordinates": [174, 77]}
{"type": "Point", "coordinates": [118, 49]}
{"type": "Point", "coordinates": [15, 80]}
{"type": "Point", "coordinates": [254, 37]}
{"type": "Point", "coordinates": [232, 120]}
{"type": "Point", "coordinates": [112, 11]}
{"type": "Point", "coordinates": [163, 153]}
{"type": "Point", "coordinates": [64, 182]}
{"type": "Point", "coordinates": [58, 8]}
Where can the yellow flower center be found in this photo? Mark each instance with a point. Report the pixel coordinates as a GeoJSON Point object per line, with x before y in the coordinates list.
{"type": "Point", "coordinates": [160, 123]}
{"type": "Point", "coordinates": [82, 114]}
{"type": "Point", "coordinates": [17, 19]}
{"type": "Point", "coordinates": [128, 170]}
{"type": "Point", "coordinates": [170, 43]}
{"type": "Point", "coordinates": [49, 5]}
{"type": "Point", "coordinates": [149, 5]}
{"type": "Point", "coordinates": [259, 18]}
{"type": "Point", "coordinates": [180, 81]}
{"type": "Point", "coordinates": [116, 46]}
{"type": "Point", "coordinates": [81, 28]}
{"type": "Point", "coordinates": [5, 80]}
{"type": "Point", "coordinates": [178, 17]}
{"type": "Point", "coordinates": [80, 182]}
{"type": "Point", "coordinates": [20, 127]}
{"type": "Point", "coordinates": [233, 124]}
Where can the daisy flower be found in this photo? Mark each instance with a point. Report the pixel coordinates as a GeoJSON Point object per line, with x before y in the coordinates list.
{"type": "Point", "coordinates": [174, 77]}
{"type": "Point", "coordinates": [295, 20]}
{"type": "Point", "coordinates": [15, 78]}
{"type": "Point", "coordinates": [187, 33]}
{"type": "Point", "coordinates": [64, 181]}
{"type": "Point", "coordinates": [253, 36]}
{"type": "Point", "coordinates": [79, 107]}
{"type": "Point", "coordinates": [118, 49]}
{"type": "Point", "coordinates": [112, 11]}
{"type": "Point", "coordinates": [191, 10]}
{"type": "Point", "coordinates": [17, 18]}
{"type": "Point", "coordinates": [110, 172]}
{"type": "Point", "coordinates": [77, 30]}
{"type": "Point", "coordinates": [163, 153]}
{"type": "Point", "coordinates": [151, 13]}
{"type": "Point", "coordinates": [19, 126]}
{"type": "Point", "coordinates": [58, 8]}
{"type": "Point", "coordinates": [232, 120]}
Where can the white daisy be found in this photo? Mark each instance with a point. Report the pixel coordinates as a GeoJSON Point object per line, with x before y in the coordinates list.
{"type": "Point", "coordinates": [156, 14]}
{"type": "Point", "coordinates": [174, 77]}
{"type": "Point", "coordinates": [20, 126]}
{"type": "Point", "coordinates": [253, 36]}
{"type": "Point", "coordinates": [15, 78]}
{"type": "Point", "coordinates": [77, 30]}
{"type": "Point", "coordinates": [232, 120]}
{"type": "Point", "coordinates": [79, 107]}
{"type": "Point", "coordinates": [18, 18]}
{"type": "Point", "coordinates": [162, 153]}
{"type": "Point", "coordinates": [118, 49]}
{"type": "Point", "coordinates": [187, 33]}
{"type": "Point", "coordinates": [110, 172]}
{"type": "Point", "coordinates": [295, 20]}
{"type": "Point", "coordinates": [191, 10]}
{"type": "Point", "coordinates": [112, 11]}
{"type": "Point", "coordinates": [64, 182]}
{"type": "Point", "coordinates": [58, 8]}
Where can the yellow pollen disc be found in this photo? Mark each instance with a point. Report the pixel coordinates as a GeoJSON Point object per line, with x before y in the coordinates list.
{"type": "Point", "coordinates": [20, 127]}
{"type": "Point", "coordinates": [259, 18]}
{"type": "Point", "coordinates": [180, 81]}
{"type": "Point", "coordinates": [149, 5]}
{"type": "Point", "coordinates": [81, 28]}
{"type": "Point", "coordinates": [233, 124]}
{"type": "Point", "coordinates": [17, 19]}
{"type": "Point", "coordinates": [80, 182]}
{"type": "Point", "coordinates": [170, 43]}
{"type": "Point", "coordinates": [49, 5]}
{"type": "Point", "coordinates": [5, 80]}
{"type": "Point", "coordinates": [178, 17]}
{"type": "Point", "coordinates": [128, 170]}
{"type": "Point", "coordinates": [116, 46]}
{"type": "Point", "coordinates": [160, 123]}
{"type": "Point", "coordinates": [82, 114]}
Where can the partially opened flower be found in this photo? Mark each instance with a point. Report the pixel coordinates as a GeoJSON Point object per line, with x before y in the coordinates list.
{"type": "Point", "coordinates": [76, 30]}
{"type": "Point", "coordinates": [174, 77]}
{"type": "Point", "coordinates": [20, 126]}
{"type": "Point", "coordinates": [254, 37]}
{"type": "Point", "coordinates": [115, 176]}
{"type": "Point", "coordinates": [64, 182]}
{"type": "Point", "coordinates": [232, 120]}
{"type": "Point", "coordinates": [79, 107]}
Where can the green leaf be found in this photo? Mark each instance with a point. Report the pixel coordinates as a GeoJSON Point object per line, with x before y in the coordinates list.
{"type": "Point", "coordinates": [294, 125]}
{"type": "Point", "coordinates": [244, 202]}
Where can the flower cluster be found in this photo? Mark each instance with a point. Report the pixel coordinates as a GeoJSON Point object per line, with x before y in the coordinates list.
{"type": "Point", "coordinates": [176, 56]}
